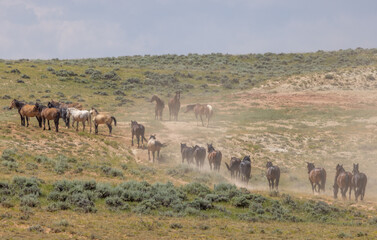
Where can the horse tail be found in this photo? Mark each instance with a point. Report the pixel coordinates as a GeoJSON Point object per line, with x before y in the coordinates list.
{"type": "Point", "coordinates": [227, 166]}
{"type": "Point", "coordinates": [323, 180]}
{"type": "Point", "coordinates": [115, 121]}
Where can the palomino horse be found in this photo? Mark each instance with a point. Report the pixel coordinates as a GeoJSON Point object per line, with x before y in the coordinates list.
{"type": "Point", "coordinates": [214, 157]}
{"type": "Point", "coordinates": [26, 111]}
{"type": "Point", "coordinates": [159, 107]}
{"type": "Point", "coordinates": [138, 130]}
{"type": "Point", "coordinates": [359, 181]}
{"type": "Point", "coordinates": [65, 105]}
{"type": "Point", "coordinates": [174, 106]}
{"type": "Point", "coordinates": [80, 116]}
{"type": "Point", "coordinates": [102, 119]}
{"type": "Point", "coordinates": [317, 177]}
{"type": "Point", "coordinates": [201, 109]}
{"type": "Point", "coordinates": [199, 155]}
{"type": "Point", "coordinates": [154, 146]}
{"type": "Point", "coordinates": [63, 112]}
{"type": "Point", "coordinates": [49, 114]}
{"type": "Point", "coordinates": [187, 153]}
{"type": "Point", "coordinates": [342, 181]}
{"type": "Point", "coordinates": [245, 169]}
{"type": "Point", "coordinates": [234, 167]}
{"type": "Point", "coordinates": [273, 176]}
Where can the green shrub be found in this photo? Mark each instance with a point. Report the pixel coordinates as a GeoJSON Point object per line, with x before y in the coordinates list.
{"type": "Point", "coordinates": [29, 200]}
{"type": "Point", "coordinates": [241, 201]}
{"type": "Point", "coordinates": [196, 188]}
{"type": "Point", "coordinates": [116, 203]}
{"type": "Point", "coordinates": [201, 204]}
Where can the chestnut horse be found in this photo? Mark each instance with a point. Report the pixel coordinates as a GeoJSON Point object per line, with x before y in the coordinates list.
{"type": "Point", "coordinates": [49, 114]}
{"type": "Point", "coordinates": [317, 177]}
{"type": "Point", "coordinates": [199, 155]}
{"type": "Point", "coordinates": [273, 176]}
{"type": "Point", "coordinates": [26, 111]}
{"type": "Point", "coordinates": [159, 107]}
{"type": "Point", "coordinates": [234, 167]}
{"type": "Point", "coordinates": [201, 110]}
{"type": "Point", "coordinates": [102, 119]}
{"type": "Point", "coordinates": [174, 106]}
{"type": "Point", "coordinates": [359, 181]}
{"type": "Point", "coordinates": [342, 181]}
{"type": "Point", "coordinates": [214, 157]}
{"type": "Point", "coordinates": [138, 130]}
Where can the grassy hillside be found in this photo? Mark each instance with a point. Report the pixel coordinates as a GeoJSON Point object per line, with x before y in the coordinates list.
{"type": "Point", "coordinates": [286, 108]}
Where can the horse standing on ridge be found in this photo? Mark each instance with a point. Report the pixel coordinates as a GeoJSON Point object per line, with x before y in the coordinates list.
{"type": "Point", "coordinates": [214, 157]}
{"type": "Point", "coordinates": [174, 106]}
{"type": "Point", "coordinates": [159, 107]}
{"type": "Point", "coordinates": [342, 181]}
{"type": "Point", "coordinates": [201, 110]}
{"type": "Point", "coordinates": [273, 176]}
{"type": "Point", "coordinates": [138, 130]}
{"type": "Point", "coordinates": [317, 177]}
{"type": "Point", "coordinates": [26, 111]}
{"type": "Point", "coordinates": [359, 181]}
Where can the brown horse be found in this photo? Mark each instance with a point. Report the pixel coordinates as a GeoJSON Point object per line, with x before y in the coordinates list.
{"type": "Point", "coordinates": [201, 110]}
{"type": "Point", "coordinates": [159, 107]}
{"type": "Point", "coordinates": [138, 130]}
{"type": "Point", "coordinates": [273, 176]}
{"type": "Point", "coordinates": [174, 106]}
{"type": "Point", "coordinates": [49, 114]}
{"type": "Point", "coordinates": [187, 153]}
{"type": "Point", "coordinates": [234, 167]}
{"type": "Point", "coordinates": [214, 157]}
{"type": "Point", "coordinates": [245, 169]}
{"type": "Point", "coordinates": [26, 111]}
{"type": "Point", "coordinates": [359, 181]}
{"type": "Point", "coordinates": [199, 155]}
{"type": "Point", "coordinates": [102, 119]}
{"type": "Point", "coordinates": [65, 105]}
{"type": "Point", "coordinates": [317, 177]}
{"type": "Point", "coordinates": [342, 181]}
{"type": "Point", "coordinates": [154, 146]}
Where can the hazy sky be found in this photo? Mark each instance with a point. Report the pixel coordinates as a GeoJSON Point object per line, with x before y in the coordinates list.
{"type": "Point", "coordinates": [106, 28]}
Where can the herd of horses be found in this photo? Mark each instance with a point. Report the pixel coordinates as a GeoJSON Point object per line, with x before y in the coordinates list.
{"type": "Point", "coordinates": [174, 104]}
{"type": "Point", "coordinates": [54, 111]}
{"type": "Point", "coordinates": [239, 169]}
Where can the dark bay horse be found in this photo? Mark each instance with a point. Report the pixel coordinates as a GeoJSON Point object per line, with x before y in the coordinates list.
{"type": "Point", "coordinates": [214, 157]}
{"type": "Point", "coordinates": [187, 153]}
{"type": "Point", "coordinates": [359, 181]}
{"type": "Point", "coordinates": [138, 130]}
{"type": "Point", "coordinates": [245, 169]}
{"type": "Point", "coordinates": [234, 167]}
{"type": "Point", "coordinates": [174, 106]}
{"type": "Point", "coordinates": [26, 111]}
{"type": "Point", "coordinates": [49, 114]}
{"type": "Point", "coordinates": [159, 107]}
{"type": "Point", "coordinates": [199, 155]}
{"type": "Point", "coordinates": [342, 181]}
{"type": "Point", "coordinates": [317, 177]}
{"type": "Point", "coordinates": [273, 176]}
{"type": "Point", "coordinates": [63, 112]}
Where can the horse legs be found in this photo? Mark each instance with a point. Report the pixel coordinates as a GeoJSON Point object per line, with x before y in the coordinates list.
{"type": "Point", "coordinates": [312, 186]}
{"type": "Point", "coordinates": [44, 123]}
{"type": "Point", "coordinates": [349, 196]}
{"type": "Point", "coordinates": [27, 121]}
{"type": "Point", "coordinates": [149, 155]}
{"type": "Point", "coordinates": [158, 155]}
{"type": "Point", "coordinates": [49, 128]}
{"type": "Point", "coordinates": [138, 141]}
{"type": "Point", "coordinates": [111, 128]}
{"type": "Point", "coordinates": [83, 126]}
{"type": "Point", "coordinates": [39, 121]}
{"type": "Point", "coordinates": [201, 120]}
{"type": "Point", "coordinates": [96, 128]}
{"type": "Point", "coordinates": [153, 156]}
{"type": "Point", "coordinates": [77, 126]}
{"type": "Point", "coordinates": [22, 120]}
{"type": "Point", "coordinates": [56, 121]}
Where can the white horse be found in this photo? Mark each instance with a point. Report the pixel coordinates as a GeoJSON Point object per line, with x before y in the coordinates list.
{"type": "Point", "coordinates": [80, 116]}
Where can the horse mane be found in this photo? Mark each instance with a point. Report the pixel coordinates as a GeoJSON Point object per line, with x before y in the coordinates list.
{"type": "Point", "coordinates": [95, 110]}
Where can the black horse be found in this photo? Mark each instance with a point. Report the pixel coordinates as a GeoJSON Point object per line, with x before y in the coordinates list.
{"type": "Point", "coordinates": [63, 112]}
{"type": "Point", "coordinates": [199, 155]}
{"type": "Point", "coordinates": [273, 176]}
{"type": "Point", "coordinates": [138, 130]}
{"type": "Point", "coordinates": [234, 167]}
{"type": "Point", "coordinates": [245, 169]}
{"type": "Point", "coordinates": [187, 153]}
{"type": "Point", "coordinates": [359, 181]}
